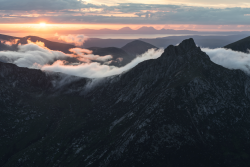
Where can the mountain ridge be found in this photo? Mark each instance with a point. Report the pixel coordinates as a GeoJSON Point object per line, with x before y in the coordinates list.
{"type": "Point", "coordinates": [180, 109]}
{"type": "Point", "coordinates": [119, 56]}
{"type": "Point", "coordinates": [138, 47]}
{"type": "Point", "coordinates": [242, 45]}
{"type": "Point", "coordinates": [147, 30]}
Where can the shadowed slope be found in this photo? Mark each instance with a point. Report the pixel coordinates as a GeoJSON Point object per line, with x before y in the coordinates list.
{"type": "Point", "coordinates": [137, 47]}
{"type": "Point", "coordinates": [242, 45]}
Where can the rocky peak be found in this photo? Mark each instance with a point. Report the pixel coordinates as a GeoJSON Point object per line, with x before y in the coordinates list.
{"type": "Point", "coordinates": [187, 44]}
{"type": "Point", "coordinates": [183, 47]}
{"type": "Point", "coordinates": [185, 56]}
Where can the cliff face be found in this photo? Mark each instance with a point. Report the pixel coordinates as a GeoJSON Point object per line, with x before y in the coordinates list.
{"type": "Point", "coordinates": [178, 110]}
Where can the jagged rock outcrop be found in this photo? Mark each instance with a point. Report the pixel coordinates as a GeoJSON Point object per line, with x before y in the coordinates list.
{"type": "Point", "coordinates": [178, 110]}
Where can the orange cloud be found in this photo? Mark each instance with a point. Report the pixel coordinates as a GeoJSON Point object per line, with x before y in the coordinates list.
{"type": "Point", "coordinates": [39, 43]}
{"type": "Point", "coordinates": [11, 42]}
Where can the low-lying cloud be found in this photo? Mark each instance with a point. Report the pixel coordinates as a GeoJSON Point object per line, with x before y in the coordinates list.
{"type": "Point", "coordinates": [86, 55]}
{"type": "Point", "coordinates": [35, 55]}
{"type": "Point", "coordinates": [77, 40]}
{"type": "Point", "coordinates": [229, 59]}
{"type": "Point", "coordinates": [31, 56]}
{"type": "Point", "coordinates": [96, 70]}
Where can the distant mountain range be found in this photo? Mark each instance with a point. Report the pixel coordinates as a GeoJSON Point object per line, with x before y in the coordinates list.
{"type": "Point", "coordinates": [146, 30]}
{"type": "Point", "coordinates": [209, 41]}
{"type": "Point", "coordinates": [179, 110]}
{"type": "Point", "coordinates": [128, 30]}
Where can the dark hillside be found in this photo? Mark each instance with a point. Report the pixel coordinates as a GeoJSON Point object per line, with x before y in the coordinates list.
{"type": "Point", "coordinates": [242, 45]}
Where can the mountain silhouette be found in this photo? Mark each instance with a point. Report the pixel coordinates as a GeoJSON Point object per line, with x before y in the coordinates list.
{"type": "Point", "coordinates": [137, 47]}
{"type": "Point", "coordinates": [242, 45]}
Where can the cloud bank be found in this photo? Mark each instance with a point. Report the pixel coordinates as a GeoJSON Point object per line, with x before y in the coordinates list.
{"type": "Point", "coordinates": [37, 56]}
{"type": "Point", "coordinates": [229, 59]}
{"type": "Point", "coordinates": [28, 5]}
{"type": "Point", "coordinates": [96, 70]}
{"type": "Point", "coordinates": [224, 57]}
{"type": "Point", "coordinates": [75, 11]}
{"type": "Point", "coordinates": [31, 56]}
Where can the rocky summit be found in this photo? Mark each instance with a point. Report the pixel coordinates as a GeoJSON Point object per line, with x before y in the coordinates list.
{"type": "Point", "coordinates": [178, 110]}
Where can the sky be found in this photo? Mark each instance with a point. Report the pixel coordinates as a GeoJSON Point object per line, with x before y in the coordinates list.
{"type": "Point", "coordinates": [185, 14]}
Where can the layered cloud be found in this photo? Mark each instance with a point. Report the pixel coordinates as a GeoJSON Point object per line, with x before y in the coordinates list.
{"type": "Point", "coordinates": [210, 3]}
{"type": "Point", "coordinates": [96, 70]}
{"type": "Point", "coordinates": [31, 56]}
{"type": "Point", "coordinates": [78, 4]}
{"type": "Point", "coordinates": [29, 5]}
{"type": "Point", "coordinates": [35, 55]}
{"type": "Point", "coordinates": [91, 66]}
{"type": "Point", "coordinates": [74, 11]}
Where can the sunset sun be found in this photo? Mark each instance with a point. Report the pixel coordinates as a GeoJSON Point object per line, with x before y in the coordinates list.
{"type": "Point", "coordinates": [42, 24]}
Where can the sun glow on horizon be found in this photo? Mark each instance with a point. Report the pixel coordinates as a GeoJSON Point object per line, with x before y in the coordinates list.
{"type": "Point", "coordinates": [42, 24]}
{"type": "Point", "coordinates": [43, 27]}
